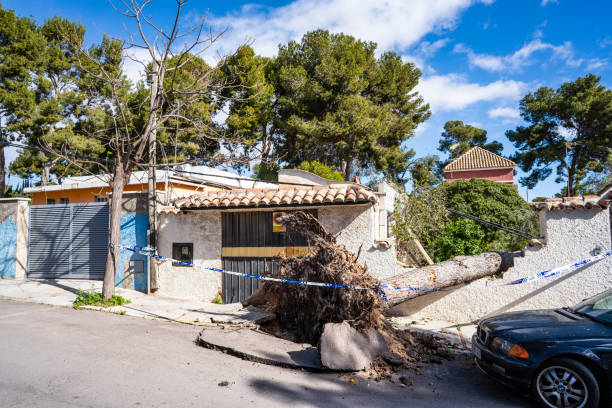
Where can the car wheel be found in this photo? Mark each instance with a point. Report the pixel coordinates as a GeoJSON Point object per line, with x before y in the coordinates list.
{"type": "Point", "coordinates": [566, 383]}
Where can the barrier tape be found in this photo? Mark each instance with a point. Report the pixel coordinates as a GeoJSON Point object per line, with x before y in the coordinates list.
{"type": "Point", "coordinates": [379, 289]}
{"type": "Point", "coordinates": [556, 271]}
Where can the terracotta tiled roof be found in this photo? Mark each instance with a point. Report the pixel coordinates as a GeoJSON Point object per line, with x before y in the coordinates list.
{"type": "Point", "coordinates": [571, 203]}
{"type": "Point", "coordinates": [478, 158]}
{"type": "Point", "coordinates": [310, 195]}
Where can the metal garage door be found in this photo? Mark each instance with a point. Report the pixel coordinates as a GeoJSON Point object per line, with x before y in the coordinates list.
{"type": "Point", "coordinates": [238, 288]}
{"type": "Point", "coordinates": [249, 242]}
{"type": "Point", "coordinates": [68, 241]}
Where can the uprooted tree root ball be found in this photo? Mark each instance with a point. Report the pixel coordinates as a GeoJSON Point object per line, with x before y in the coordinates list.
{"type": "Point", "coordinates": [302, 311]}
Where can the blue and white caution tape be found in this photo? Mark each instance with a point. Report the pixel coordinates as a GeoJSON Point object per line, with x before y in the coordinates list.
{"type": "Point", "coordinates": [556, 271]}
{"type": "Point", "coordinates": [379, 289]}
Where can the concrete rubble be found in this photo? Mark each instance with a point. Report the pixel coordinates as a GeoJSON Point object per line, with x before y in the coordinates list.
{"type": "Point", "coordinates": [344, 348]}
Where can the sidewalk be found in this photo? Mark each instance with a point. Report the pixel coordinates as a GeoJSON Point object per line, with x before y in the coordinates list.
{"type": "Point", "coordinates": [63, 292]}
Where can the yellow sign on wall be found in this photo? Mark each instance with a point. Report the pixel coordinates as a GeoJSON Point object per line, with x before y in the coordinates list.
{"type": "Point", "coordinates": [277, 225]}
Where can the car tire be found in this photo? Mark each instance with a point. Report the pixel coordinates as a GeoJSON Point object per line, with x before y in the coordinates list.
{"type": "Point", "coordinates": [565, 378]}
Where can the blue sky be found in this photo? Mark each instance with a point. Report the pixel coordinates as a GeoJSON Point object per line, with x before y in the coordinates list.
{"type": "Point", "coordinates": [478, 58]}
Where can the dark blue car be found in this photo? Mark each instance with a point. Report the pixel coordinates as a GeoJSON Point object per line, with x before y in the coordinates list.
{"type": "Point", "coordinates": [562, 357]}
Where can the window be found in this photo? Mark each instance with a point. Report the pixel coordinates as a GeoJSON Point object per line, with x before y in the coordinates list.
{"type": "Point", "coordinates": [182, 252]}
{"type": "Point", "coordinates": [100, 199]}
{"type": "Point", "coordinates": [64, 200]}
{"type": "Point", "coordinates": [50, 201]}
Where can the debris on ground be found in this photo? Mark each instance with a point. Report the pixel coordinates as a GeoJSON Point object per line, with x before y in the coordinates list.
{"type": "Point", "coordinates": [348, 326]}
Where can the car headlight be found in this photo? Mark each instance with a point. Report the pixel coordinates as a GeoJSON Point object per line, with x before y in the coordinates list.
{"type": "Point", "coordinates": [508, 348]}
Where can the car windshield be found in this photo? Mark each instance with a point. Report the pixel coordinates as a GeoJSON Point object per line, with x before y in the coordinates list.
{"type": "Point", "coordinates": [598, 307]}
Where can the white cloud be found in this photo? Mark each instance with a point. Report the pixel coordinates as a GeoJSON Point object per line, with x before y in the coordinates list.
{"type": "Point", "coordinates": [520, 58]}
{"type": "Point", "coordinates": [596, 63]}
{"type": "Point", "coordinates": [454, 92]}
{"type": "Point", "coordinates": [393, 24]}
{"type": "Point", "coordinates": [504, 112]}
{"type": "Point", "coordinates": [428, 49]}
{"type": "Point", "coordinates": [424, 51]}
{"type": "Point", "coordinates": [545, 2]}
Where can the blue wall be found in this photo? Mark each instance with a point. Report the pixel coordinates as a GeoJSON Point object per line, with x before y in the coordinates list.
{"type": "Point", "coordinates": [134, 228]}
{"type": "Point", "coordinates": [8, 248]}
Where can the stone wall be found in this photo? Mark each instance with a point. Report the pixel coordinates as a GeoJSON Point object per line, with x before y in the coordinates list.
{"type": "Point", "coordinates": [13, 237]}
{"type": "Point", "coordinates": [570, 236]}
{"type": "Point", "coordinates": [203, 229]}
{"type": "Point", "coordinates": [356, 225]}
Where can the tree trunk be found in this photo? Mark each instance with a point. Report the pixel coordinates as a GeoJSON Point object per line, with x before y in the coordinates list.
{"type": "Point", "coordinates": [112, 258]}
{"type": "Point", "coordinates": [347, 169]}
{"type": "Point", "coordinates": [46, 173]}
{"type": "Point", "coordinates": [2, 172]}
{"type": "Point", "coordinates": [460, 269]}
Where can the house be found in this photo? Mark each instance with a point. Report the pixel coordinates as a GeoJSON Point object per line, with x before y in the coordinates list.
{"type": "Point", "coordinates": [482, 164]}
{"type": "Point", "coordinates": [170, 184]}
{"type": "Point", "coordinates": [66, 228]}
{"type": "Point", "coordinates": [572, 229]}
{"type": "Point", "coordinates": [237, 230]}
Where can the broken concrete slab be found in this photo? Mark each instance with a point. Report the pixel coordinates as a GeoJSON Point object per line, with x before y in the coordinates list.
{"type": "Point", "coordinates": [254, 345]}
{"type": "Point", "coordinates": [344, 348]}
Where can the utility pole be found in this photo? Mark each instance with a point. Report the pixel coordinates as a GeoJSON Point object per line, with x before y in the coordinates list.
{"type": "Point", "coordinates": [152, 182]}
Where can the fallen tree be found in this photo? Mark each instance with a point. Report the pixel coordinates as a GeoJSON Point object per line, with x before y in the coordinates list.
{"type": "Point", "coordinates": [452, 272]}
{"type": "Point", "coordinates": [348, 325]}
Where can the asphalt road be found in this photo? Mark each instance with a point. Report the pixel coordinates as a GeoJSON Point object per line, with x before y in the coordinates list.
{"type": "Point", "coordinates": [59, 357]}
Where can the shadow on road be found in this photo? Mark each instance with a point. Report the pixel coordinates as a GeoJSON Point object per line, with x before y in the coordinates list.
{"type": "Point", "coordinates": [456, 383]}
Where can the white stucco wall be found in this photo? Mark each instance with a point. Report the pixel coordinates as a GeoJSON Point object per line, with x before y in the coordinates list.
{"type": "Point", "coordinates": [356, 225]}
{"type": "Point", "coordinates": [571, 235]}
{"type": "Point", "coordinates": [203, 229]}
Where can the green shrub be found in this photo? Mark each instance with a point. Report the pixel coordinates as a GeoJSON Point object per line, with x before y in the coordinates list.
{"type": "Point", "coordinates": [92, 298]}
{"type": "Point", "coordinates": [461, 237]}
{"type": "Point", "coordinates": [496, 202]}
{"type": "Point", "coordinates": [218, 300]}
{"type": "Point", "coordinates": [321, 170]}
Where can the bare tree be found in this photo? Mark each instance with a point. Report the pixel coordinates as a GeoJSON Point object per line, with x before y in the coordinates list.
{"type": "Point", "coordinates": [127, 119]}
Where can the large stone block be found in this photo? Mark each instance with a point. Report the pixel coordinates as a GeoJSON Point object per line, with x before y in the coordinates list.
{"type": "Point", "coordinates": [344, 348]}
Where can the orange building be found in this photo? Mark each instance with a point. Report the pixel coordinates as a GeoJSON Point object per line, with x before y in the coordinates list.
{"type": "Point", "coordinates": [481, 164]}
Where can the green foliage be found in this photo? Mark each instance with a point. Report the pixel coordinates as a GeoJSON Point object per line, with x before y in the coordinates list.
{"type": "Point", "coordinates": [423, 215]}
{"type": "Point", "coordinates": [337, 103]}
{"type": "Point", "coordinates": [93, 298]}
{"type": "Point", "coordinates": [425, 172]}
{"type": "Point", "coordinates": [459, 137]}
{"type": "Point", "coordinates": [21, 47]}
{"type": "Point", "coordinates": [250, 104]}
{"type": "Point", "coordinates": [57, 85]}
{"type": "Point", "coordinates": [581, 109]}
{"type": "Point", "coordinates": [218, 299]}
{"type": "Point", "coordinates": [420, 215]}
{"type": "Point", "coordinates": [321, 170]}
{"type": "Point", "coordinates": [266, 171]}
{"type": "Point", "coordinates": [496, 202]}
{"type": "Point", "coordinates": [460, 237]}
{"type": "Point", "coordinates": [180, 138]}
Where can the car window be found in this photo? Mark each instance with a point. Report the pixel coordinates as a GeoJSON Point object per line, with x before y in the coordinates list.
{"type": "Point", "coordinates": [600, 310]}
{"type": "Point", "coordinates": [604, 304]}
